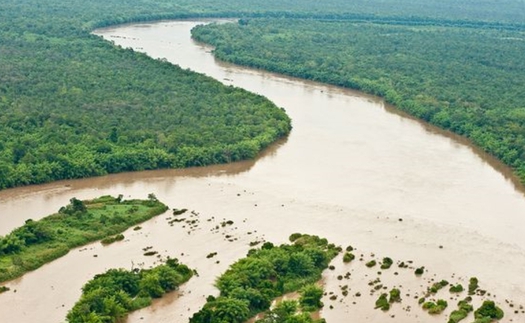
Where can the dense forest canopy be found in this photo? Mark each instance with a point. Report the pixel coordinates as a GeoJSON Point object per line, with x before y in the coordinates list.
{"type": "Point", "coordinates": [73, 105]}
{"type": "Point", "coordinates": [468, 80]}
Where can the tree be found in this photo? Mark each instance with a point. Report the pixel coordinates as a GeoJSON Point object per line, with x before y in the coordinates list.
{"type": "Point", "coordinates": [310, 298]}
{"type": "Point", "coordinates": [230, 310]}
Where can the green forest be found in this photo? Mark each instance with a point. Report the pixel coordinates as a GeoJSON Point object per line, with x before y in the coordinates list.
{"type": "Point", "coordinates": [80, 222]}
{"type": "Point", "coordinates": [73, 105]}
{"type": "Point", "coordinates": [464, 79]}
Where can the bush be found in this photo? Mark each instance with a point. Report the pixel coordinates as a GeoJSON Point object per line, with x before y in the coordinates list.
{"type": "Point", "coordinates": [461, 312]}
{"type": "Point", "coordinates": [382, 302]}
{"type": "Point", "coordinates": [310, 299]}
{"type": "Point", "coordinates": [435, 308]}
{"type": "Point", "coordinates": [387, 263]}
{"type": "Point", "coordinates": [110, 240]}
{"type": "Point", "coordinates": [371, 263]}
{"type": "Point", "coordinates": [395, 295]}
{"type": "Point", "coordinates": [473, 285]}
{"type": "Point", "coordinates": [295, 236]}
{"type": "Point", "coordinates": [489, 310]}
{"type": "Point", "coordinates": [348, 256]}
{"type": "Point", "coordinates": [456, 288]}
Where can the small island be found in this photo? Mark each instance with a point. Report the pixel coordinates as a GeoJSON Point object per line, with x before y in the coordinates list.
{"type": "Point", "coordinates": [110, 296]}
{"type": "Point", "coordinates": [252, 283]}
{"type": "Point", "coordinates": [80, 222]}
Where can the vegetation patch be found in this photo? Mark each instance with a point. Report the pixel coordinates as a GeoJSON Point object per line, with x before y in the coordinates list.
{"type": "Point", "coordinates": [371, 263]}
{"type": "Point", "coordinates": [435, 307]}
{"type": "Point", "coordinates": [310, 299]}
{"type": "Point", "coordinates": [110, 240]}
{"type": "Point", "coordinates": [395, 295]}
{"type": "Point", "coordinates": [386, 263]}
{"type": "Point", "coordinates": [211, 255]}
{"type": "Point", "coordinates": [456, 288]}
{"type": "Point", "coordinates": [419, 271]}
{"type": "Point", "coordinates": [462, 312]}
{"type": "Point", "coordinates": [110, 296]}
{"type": "Point", "coordinates": [488, 312]}
{"type": "Point", "coordinates": [250, 284]}
{"type": "Point", "coordinates": [473, 285]}
{"type": "Point", "coordinates": [348, 256]}
{"type": "Point", "coordinates": [289, 311]}
{"type": "Point", "coordinates": [178, 212]}
{"type": "Point", "coordinates": [38, 242]}
{"type": "Point", "coordinates": [437, 286]}
{"type": "Point", "coordinates": [382, 302]}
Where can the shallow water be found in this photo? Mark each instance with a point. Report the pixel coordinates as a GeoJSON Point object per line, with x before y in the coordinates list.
{"type": "Point", "coordinates": [349, 171]}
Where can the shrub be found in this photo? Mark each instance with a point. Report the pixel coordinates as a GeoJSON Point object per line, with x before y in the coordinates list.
{"type": "Point", "coordinates": [435, 308]}
{"type": "Point", "coordinates": [387, 263]}
{"type": "Point", "coordinates": [310, 299]}
{"type": "Point", "coordinates": [395, 295]}
{"type": "Point", "coordinates": [490, 310]}
{"type": "Point", "coordinates": [110, 240]}
{"type": "Point", "coordinates": [473, 285]}
{"type": "Point", "coordinates": [382, 302]}
{"type": "Point", "coordinates": [419, 271]}
{"type": "Point", "coordinates": [371, 263]}
{"type": "Point", "coordinates": [348, 256]}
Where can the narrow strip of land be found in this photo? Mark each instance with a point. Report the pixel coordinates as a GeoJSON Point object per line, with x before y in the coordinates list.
{"type": "Point", "coordinates": [39, 242]}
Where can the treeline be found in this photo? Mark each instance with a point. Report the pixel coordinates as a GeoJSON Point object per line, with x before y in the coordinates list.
{"type": "Point", "coordinates": [110, 296]}
{"type": "Point", "coordinates": [249, 285]}
{"type": "Point", "coordinates": [38, 242]}
{"type": "Point", "coordinates": [467, 80]}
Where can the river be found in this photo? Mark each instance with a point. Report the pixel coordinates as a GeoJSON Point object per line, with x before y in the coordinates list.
{"type": "Point", "coordinates": [352, 170]}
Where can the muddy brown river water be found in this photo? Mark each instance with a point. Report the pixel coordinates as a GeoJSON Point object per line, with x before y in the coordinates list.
{"type": "Point", "coordinates": [352, 170]}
